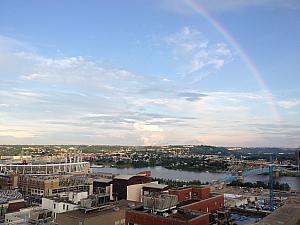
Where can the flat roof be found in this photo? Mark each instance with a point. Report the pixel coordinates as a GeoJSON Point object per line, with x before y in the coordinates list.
{"type": "Point", "coordinates": [287, 214]}
{"type": "Point", "coordinates": [103, 180]}
{"type": "Point", "coordinates": [124, 176]}
{"type": "Point", "coordinates": [156, 186]}
{"type": "Point", "coordinates": [175, 214]}
{"type": "Point", "coordinates": [110, 207]}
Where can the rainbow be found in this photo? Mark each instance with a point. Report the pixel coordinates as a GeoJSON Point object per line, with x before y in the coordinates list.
{"type": "Point", "coordinates": [197, 7]}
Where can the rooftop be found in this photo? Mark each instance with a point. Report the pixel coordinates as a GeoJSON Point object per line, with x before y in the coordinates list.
{"type": "Point", "coordinates": [287, 214]}
{"type": "Point", "coordinates": [7, 195]}
{"type": "Point", "coordinates": [98, 211]}
{"type": "Point", "coordinates": [174, 214]}
{"type": "Point", "coordinates": [156, 185]}
{"type": "Point", "coordinates": [103, 180]}
{"type": "Point", "coordinates": [124, 177]}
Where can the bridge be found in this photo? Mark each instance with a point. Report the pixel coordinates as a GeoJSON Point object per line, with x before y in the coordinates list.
{"type": "Point", "coordinates": [248, 172]}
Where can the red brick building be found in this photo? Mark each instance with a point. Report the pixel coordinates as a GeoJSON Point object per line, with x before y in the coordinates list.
{"type": "Point", "coordinates": [181, 217]}
{"type": "Point", "coordinates": [198, 198]}
{"type": "Point", "coordinates": [192, 206]}
{"type": "Point", "coordinates": [210, 205]}
{"type": "Point", "coordinates": [187, 193]}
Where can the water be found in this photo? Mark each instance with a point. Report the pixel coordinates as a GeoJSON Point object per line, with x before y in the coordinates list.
{"type": "Point", "coordinates": [161, 172]}
{"type": "Point", "coordinates": [294, 182]}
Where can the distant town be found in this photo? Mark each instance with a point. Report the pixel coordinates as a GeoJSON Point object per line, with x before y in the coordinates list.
{"type": "Point", "coordinates": [184, 184]}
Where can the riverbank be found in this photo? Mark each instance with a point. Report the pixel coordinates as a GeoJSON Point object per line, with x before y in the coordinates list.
{"type": "Point", "coordinates": [161, 172]}
{"type": "Point", "coordinates": [181, 168]}
{"type": "Point", "coordinates": [290, 173]}
{"type": "Point", "coordinates": [138, 166]}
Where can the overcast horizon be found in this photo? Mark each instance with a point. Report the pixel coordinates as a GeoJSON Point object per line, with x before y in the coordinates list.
{"type": "Point", "coordinates": [181, 72]}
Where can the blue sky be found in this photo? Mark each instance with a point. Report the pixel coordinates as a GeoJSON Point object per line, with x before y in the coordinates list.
{"type": "Point", "coordinates": [149, 72]}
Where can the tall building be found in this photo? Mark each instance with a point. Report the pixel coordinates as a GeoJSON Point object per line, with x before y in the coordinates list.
{"type": "Point", "coordinates": [129, 187]}
{"type": "Point", "coordinates": [298, 157]}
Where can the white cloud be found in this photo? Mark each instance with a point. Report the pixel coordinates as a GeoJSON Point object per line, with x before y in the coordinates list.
{"type": "Point", "coordinates": [150, 134]}
{"type": "Point", "coordinates": [77, 100]}
{"type": "Point", "coordinates": [195, 55]}
{"type": "Point", "coordinates": [34, 76]}
{"type": "Point", "coordinates": [289, 103]}
{"type": "Point", "coordinates": [147, 127]}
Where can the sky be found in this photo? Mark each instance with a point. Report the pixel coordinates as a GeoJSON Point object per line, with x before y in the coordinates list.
{"type": "Point", "coordinates": [151, 72]}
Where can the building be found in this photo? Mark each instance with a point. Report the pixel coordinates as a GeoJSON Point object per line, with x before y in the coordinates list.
{"type": "Point", "coordinates": [102, 185]}
{"type": "Point", "coordinates": [298, 157]}
{"type": "Point", "coordinates": [52, 185]}
{"type": "Point", "coordinates": [210, 205]}
{"type": "Point", "coordinates": [154, 187]}
{"type": "Point", "coordinates": [10, 201]}
{"type": "Point", "coordinates": [129, 187]}
{"type": "Point", "coordinates": [94, 201]}
{"type": "Point", "coordinates": [40, 216]}
{"type": "Point", "coordinates": [29, 216]}
{"type": "Point", "coordinates": [288, 214]}
{"type": "Point", "coordinates": [198, 199]}
{"type": "Point", "coordinates": [60, 204]}
{"type": "Point", "coordinates": [161, 209]}
{"type": "Point", "coordinates": [187, 193]}
{"type": "Point", "coordinates": [107, 214]}
{"type": "Point", "coordinates": [8, 181]}
{"type": "Point", "coordinates": [20, 217]}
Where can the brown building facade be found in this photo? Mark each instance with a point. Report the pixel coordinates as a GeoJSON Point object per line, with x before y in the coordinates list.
{"type": "Point", "coordinates": [180, 217]}
{"type": "Point", "coordinates": [110, 214]}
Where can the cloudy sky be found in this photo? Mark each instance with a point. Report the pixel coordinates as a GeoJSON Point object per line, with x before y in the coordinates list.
{"type": "Point", "coordinates": [150, 72]}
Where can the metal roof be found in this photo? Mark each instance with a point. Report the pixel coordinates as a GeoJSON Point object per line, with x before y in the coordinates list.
{"type": "Point", "coordinates": [124, 177]}
{"type": "Point", "coordinates": [156, 185]}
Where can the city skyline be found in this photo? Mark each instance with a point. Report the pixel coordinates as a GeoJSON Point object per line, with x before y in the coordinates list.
{"type": "Point", "coordinates": [150, 73]}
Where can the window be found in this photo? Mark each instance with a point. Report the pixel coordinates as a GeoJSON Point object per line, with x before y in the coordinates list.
{"type": "Point", "coordinates": [64, 206]}
{"type": "Point", "coordinates": [67, 207]}
{"type": "Point", "coordinates": [54, 206]}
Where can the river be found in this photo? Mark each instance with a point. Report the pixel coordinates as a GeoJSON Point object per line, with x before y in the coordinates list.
{"type": "Point", "coordinates": [161, 172]}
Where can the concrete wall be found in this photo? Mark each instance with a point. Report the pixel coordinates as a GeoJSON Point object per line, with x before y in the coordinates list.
{"type": "Point", "coordinates": [134, 192]}
{"type": "Point", "coordinates": [111, 192]}
{"type": "Point", "coordinates": [57, 207]}
{"type": "Point", "coordinates": [77, 196]}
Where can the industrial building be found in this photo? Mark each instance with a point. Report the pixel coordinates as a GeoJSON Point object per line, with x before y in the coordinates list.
{"type": "Point", "coordinates": [184, 205]}
{"type": "Point", "coordinates": [108, 214]}
{"type": "Point", "coordinates": [129, 187]}
{"type": "Point", "coordinates": [29, 216]}
{"type": "Point", "coordinates": [298, 157]}
{"type": "Point", "coordinates": [10, 201]}
{"type": "Point", "coordinates": [162, 209]}
{"type": "Point", "coordinates": [52, 185]}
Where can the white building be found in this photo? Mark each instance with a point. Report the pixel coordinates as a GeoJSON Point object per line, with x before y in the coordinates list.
{"type": "Point", "coordinates": [19, 217]}
{"type": "Point", "coordinates": [60, 204]}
